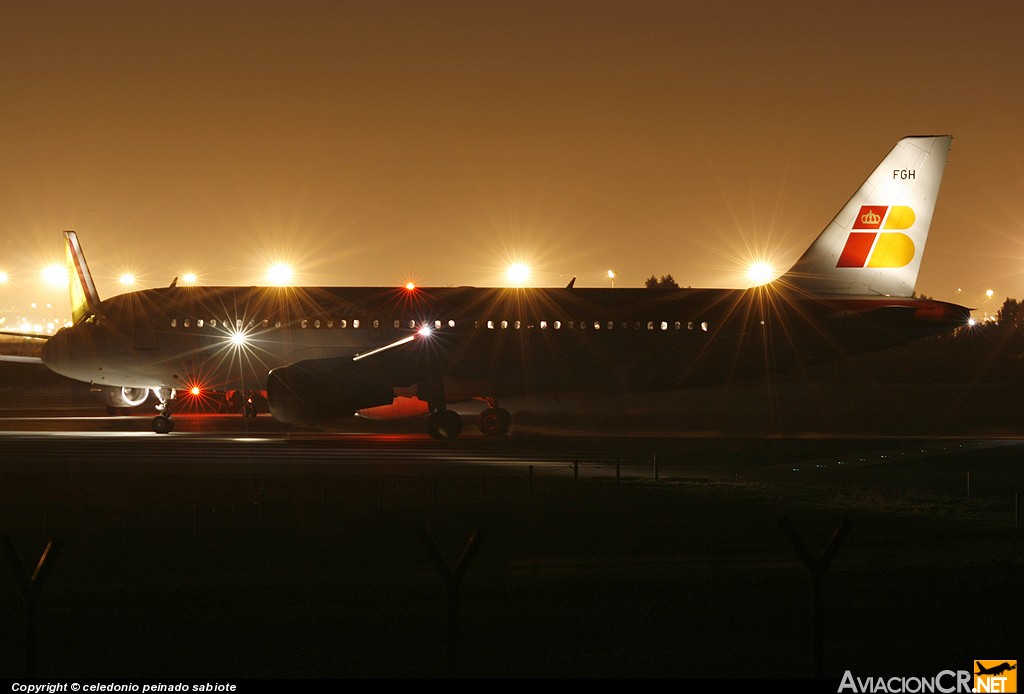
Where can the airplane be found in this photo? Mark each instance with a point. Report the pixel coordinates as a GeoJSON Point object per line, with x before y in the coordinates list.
{"type": "Point", "coordinates": [320, 355]}
{"type": "Point", "coordinates": [995, 669]}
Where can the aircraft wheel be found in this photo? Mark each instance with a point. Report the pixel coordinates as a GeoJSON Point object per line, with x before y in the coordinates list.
{"type": "Point", "coordinates": [162, 424]}
{"type": "Point", "coordinates": [494, 421]}
{"type": "Point", "coordinates": [445, 424]}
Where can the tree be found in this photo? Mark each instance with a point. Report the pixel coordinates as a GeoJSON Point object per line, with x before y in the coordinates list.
{"type": "Point", "coordinates": [1011, 314]}
{"type": "Point", "coordinates": [665, 281]}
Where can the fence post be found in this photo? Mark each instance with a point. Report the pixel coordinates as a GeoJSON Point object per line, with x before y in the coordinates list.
{"type": "Point", "coordinates": [817, 568]}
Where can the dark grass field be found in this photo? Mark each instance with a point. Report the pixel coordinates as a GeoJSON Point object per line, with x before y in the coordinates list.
{"type": "Point", "coordinates": [270, 574]}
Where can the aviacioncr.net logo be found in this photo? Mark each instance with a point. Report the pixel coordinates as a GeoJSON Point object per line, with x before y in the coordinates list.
{"type": "Point", "coordinates": [995, 676]}
{"type": "Point", "coordinates": [946, 682]}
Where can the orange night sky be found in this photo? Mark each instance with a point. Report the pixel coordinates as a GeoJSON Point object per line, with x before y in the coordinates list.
{"type": "Point", "coordinates": [374, 142]}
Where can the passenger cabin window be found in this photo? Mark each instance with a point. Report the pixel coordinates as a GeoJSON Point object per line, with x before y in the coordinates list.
{"type": "Point", "coordinates": [355, 322]}
{"type": "Point", "coordinates": [704, 326]}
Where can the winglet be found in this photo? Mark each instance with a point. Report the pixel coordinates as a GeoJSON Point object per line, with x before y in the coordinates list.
{"type": "Point", "coordinates": [84, 297]}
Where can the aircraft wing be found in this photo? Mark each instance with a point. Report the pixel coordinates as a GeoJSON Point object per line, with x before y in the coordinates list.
{"type": "Point", "coordinates": [21, 347]}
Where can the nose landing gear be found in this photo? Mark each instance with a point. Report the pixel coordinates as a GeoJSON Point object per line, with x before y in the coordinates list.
{"type": "Point", "coordinates": [162, 423]}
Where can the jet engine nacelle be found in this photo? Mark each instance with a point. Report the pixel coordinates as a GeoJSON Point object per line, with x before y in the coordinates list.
{"type": "Point", "coordinates": [114, 397]}
{"type": "Point", "coordinates": [320, 392]}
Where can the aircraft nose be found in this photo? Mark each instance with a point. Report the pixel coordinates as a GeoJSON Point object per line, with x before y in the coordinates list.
{"type": "Point", "coordinates": [55, 353]}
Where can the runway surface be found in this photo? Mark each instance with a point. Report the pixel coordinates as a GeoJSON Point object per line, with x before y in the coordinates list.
{"type": "Point", "coordinates": [201, 440]}
{"type": "Point", "coordinates": [235, 548]}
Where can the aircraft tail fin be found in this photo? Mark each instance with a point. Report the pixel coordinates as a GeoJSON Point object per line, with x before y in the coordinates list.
{"type": "Point", "coordinates": [875, 244]}
{"type": "Point", "coordinates": [84, 297]}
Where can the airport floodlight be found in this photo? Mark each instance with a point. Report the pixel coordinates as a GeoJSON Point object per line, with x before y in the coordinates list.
{"type": "Point", "coordinates": [760, 272]}
{"type": "Point", "coordinates": [280, 274]}
{"type": "Point", "coordinates": [56, 275]}
{"type": "Point", "coordinates": [518, 274]}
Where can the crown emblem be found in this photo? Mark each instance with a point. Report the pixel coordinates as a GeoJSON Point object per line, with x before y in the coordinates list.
{"type": "Point", "coordinates": [870, 217]}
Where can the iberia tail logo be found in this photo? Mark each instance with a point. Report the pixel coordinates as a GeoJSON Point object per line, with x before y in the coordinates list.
{"type": "Point", "coordinates": [882, 249]}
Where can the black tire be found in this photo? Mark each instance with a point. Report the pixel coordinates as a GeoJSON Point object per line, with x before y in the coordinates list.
{"type": "Point", "coordinates": [444, 425]}
{"type": "Point", "coordinates": [162, 424]}
{"type": "Point", "coordinates": [494, 421]}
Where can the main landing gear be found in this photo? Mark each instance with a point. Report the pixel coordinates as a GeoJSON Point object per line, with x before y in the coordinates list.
{"type": "Point", "coordinates": [494, 421]}
{"type": "Point", "coordinates": [447, 424]}
{"type": "Point", "coordinates": [444, 424]}
{"type": "Point", "coordinates": [162, 423]}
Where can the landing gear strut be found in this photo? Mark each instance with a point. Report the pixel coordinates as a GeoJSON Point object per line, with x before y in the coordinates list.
{"type": "Point", "coordinates": [249, 405]}
{"type": "Point", "coordinates": [162, 423]}
{"type": "Point", "coordinates": [442, 422]}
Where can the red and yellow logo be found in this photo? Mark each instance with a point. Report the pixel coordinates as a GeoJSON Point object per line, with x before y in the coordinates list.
{"type": "Point", "coordinates": [885, 249]}
{"type": "Point", "coordinates": [995, 676]}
